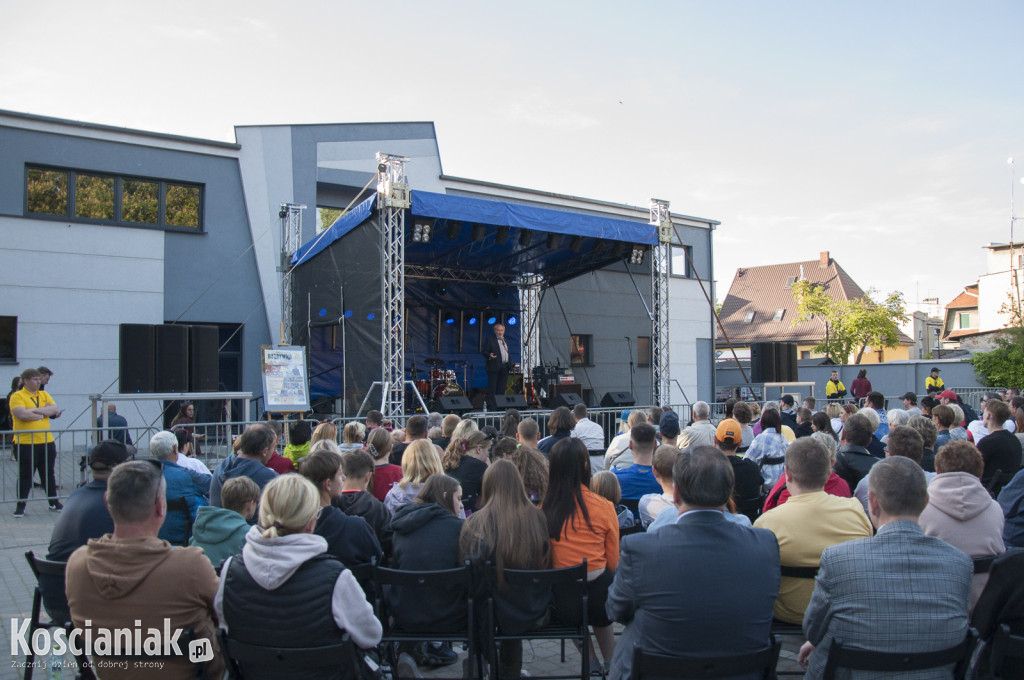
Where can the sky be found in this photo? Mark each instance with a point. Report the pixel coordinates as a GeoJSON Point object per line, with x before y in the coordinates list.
{"type": "Point", "coordinates": [878, 131]}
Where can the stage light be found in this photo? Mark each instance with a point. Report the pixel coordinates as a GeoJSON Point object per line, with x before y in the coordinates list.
{"type": "Point", "coordinates": [637, 257]}
{"type": "Point", "coordinates": [322, 312]}
{"type": "Point", "coordinates": [472, 321]}
{"type": "Point", "coordinates": [501, 235]}
{"type": "Point", "coordinates": [369, 317]}
{"type": "Point", "coordinates": [449, 318]}
{"type": "Point", "coordinates": [491, 321]}
{"type": "Point", "coordinates": [495, 292]}
{"type": "Point", "coordinates": [421, 231]}
{"type": "Point", "coordinates": [348, 313]}
{"type": "Point", "coordinates": [552, 241]}
{"type": "Point", "coordinates": [479, 231]}
{"type": "Point", "coordinates": [442, 289]}
{"type": "Point", "coordinates": [454, 227]}
{"type": "Point", "coordinates": [512, 321]}
{"type": "Point", "coordinates": [525, 237]}
{"type": "Point", "coordinates": [576, 243]}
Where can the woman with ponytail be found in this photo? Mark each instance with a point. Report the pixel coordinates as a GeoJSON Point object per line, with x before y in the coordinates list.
{"type": "Point", "coordinates": [285, 581]}
{"type": "Point", "coordinates": [466, 460]}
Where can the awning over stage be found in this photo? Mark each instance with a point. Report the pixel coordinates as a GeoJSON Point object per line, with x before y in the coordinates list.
{"type": "Point", "coordinates": [473, 239]}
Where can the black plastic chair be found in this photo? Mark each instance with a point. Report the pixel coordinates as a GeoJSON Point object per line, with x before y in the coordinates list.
{"type": "Point", "coordinates": [762, 661]}
{"type": "Point", "coordinates": [571, 581]}
{"type": "Point", "coordinates": [279, 661]}
{"type": "Point", "coordinates": [1005, 645]}
{"type": "Point", "coordinates": [781, 628]}
{"type": "Point", "coordinates": [445, 579]}
{"type": "Point", "coordinates": [56, 569]}
{"type": "Point", "coordinates": [363, 573]}
{"type": "Point", "coordinates": [857, 659]}
{"type": "Point", "coordinates": [180, 504]}
{"type": "Point", "coordinates": [982, 565]}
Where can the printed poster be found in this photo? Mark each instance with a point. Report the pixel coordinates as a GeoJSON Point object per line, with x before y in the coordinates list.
{"type": "Point", "coordinates": [285, 386]}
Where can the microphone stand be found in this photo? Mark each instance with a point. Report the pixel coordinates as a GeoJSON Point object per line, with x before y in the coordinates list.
{"type": "Point", "coordinates": [629, 345]}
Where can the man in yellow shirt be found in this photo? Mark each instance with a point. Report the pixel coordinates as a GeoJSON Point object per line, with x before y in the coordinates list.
{"type": "Point", "coordinates": [31, 410]}
{"type": "Point", "coordinates": [807, 523]}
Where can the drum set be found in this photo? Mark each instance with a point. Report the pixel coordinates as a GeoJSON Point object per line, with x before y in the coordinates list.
{"type": "Point", "coordinates": [441, 381]}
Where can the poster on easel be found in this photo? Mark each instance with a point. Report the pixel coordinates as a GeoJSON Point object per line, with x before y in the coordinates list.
{"type": "Point", "coordinates": [285, 383]}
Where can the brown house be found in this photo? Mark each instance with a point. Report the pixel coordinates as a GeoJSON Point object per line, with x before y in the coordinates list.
{"type": "Point", "coordinates": [760, 308]}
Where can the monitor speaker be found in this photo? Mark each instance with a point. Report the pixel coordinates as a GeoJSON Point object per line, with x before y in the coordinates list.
{"type": "Point", "coordinates": [455, 403]}
{"type": "Point", "coordinates": [569, 399]}
{"type": "Point", "coordinates": [136, 361]}
{"type": "Point", "coordinates": [618, 399]}
{"type": "Point", "coordinates": [510, 401]}
{"type": "Point", "coordinates": [171, 358]}
{"type": "Point", "coordinates": [203, 358]}
{"type": "Point", "coordinates": [762, 362]}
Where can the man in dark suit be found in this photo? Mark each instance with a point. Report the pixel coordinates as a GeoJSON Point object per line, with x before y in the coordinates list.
{"type": "Point", "coordinates": [900, 591]}
{"type": "Point", "coordinates": [498, 357]}
{"type": "Point", "coordinates": [702, 586]}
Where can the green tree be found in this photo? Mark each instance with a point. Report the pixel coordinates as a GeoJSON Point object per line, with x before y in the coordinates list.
{"type": "Point", "coordinates": [1004, 365]}
{"type": "Point", "coordinates": [850, 325]}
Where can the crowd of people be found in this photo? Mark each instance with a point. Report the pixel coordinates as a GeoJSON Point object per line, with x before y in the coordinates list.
{"type": "Point", "coordinates": [856, 523]}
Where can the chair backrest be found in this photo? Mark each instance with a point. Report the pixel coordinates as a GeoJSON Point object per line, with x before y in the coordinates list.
{"type": "Point", "coordinates": [40, 566]}
{"type": "Point", "coordinates": [568, 578]}
{"type": "Point", "coordinates": [799, 572]}
{"type": "Point", "coordinates": [275, 661]}
{"type": "Point", "coordinates": [442, 579]}
{"type": "Point", "coordinates": [1005, 645]}
{"type": "Point", "coordinates": [982, 565]}
{"type": "Point", "coordinates": [762, 661]}
{"type": "Point", "coordinates": [857, 659]}
{"type": "Point", "coordinates": [771, 460]}
{"type": "Point", "coordinates": [180, 504]}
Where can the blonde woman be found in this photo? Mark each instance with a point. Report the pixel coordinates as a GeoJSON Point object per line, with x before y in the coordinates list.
{"type": "Point", "coordinates": [353, 436]}
{"type": "Point", "coordinates": [284, 569]}
{"type": "Point", "coordinates": [324, 432]}
{"type": "Point", "coordinates": [419, 462]}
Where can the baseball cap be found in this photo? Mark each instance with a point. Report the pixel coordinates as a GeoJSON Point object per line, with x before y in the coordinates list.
{"type": "Point", "coordinates": [787, 399]}
{"type": "Point", "coordinates": [948, 394]}
{"type": "Point", "coordinates": [108, 453]}
{"type": "Point", "coordinates": [729, 431]}
{"type": "Point", "coordinates": [624, 417]}
{"type": "Point", "coordinates": [935, 369]}
{"type": "Point", "coordinates": [669, 425]}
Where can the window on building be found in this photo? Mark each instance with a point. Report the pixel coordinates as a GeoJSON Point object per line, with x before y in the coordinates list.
{"type": "Point", "coordinates": [579, 350]}
{"type": "Point", "coordinates": [805, 354]}
{"type": "Point", "coordinates": [965, 320]}
{"type": "Point", "coordinates": [778, 314]}
{"type": "Point", "coordinates": [679, 264]}
{"type": "Point", "coordinates": [111, 199]}
{"type": "Point", "coordinates": [749, 317]}
{"type": "Point", "coordinates": [644, 357]}
{"type": "Point", "coordinates": [8, 339]}
{"type": "Point", "coordinates": [790, 281]}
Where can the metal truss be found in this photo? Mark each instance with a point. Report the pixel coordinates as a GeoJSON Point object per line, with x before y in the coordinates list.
{"type": "Point", "coordinates": [393, 198]}
{"type": "Point", "coordinates": [660, 262]}
{"type": "Point", "coordinates": [291, 239]}
{"type": "Point", "coordinates": [414, 271]}
{"type": "Point", "coordinates": [529, 340]}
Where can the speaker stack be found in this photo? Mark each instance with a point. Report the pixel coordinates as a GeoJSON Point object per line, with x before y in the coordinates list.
{"type": "Point", "coordinates": [773, 362]}
{"type": "Point", "coordinates": [618, 399]}
{"type": "Point", "coordinates": [168, 358]}
{"type": "Point", "coordinates": [569, 399]}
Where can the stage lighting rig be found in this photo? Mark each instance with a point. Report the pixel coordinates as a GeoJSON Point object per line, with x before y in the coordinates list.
{"type": "Point", "coordinates": [637, 257]}
{"type": "Point", "coordinates": [421, 230]}
{"type": "Point", "coordinates": [525, 237]}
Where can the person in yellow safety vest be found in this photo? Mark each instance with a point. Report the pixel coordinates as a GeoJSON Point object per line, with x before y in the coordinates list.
{"type": "Point", "coordinates": [834, 388]}
{"type": "Point", "coordinates": [933, 384]}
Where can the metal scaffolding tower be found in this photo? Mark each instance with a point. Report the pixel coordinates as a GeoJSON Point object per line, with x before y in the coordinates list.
{"type": "Point", "coordinates": [660, 262]}
{"type": "Point", "coordinates": [393, 197]}
{"type": "Point", "coordinates": [291, 239]}
{"type": "Point", "coordinates": [529, 337]}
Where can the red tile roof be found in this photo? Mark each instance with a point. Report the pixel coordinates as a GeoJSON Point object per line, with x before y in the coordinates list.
{"type": "Point", "coordinates": [968, 298]}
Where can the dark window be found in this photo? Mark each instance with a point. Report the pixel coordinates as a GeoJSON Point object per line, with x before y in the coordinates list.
{"type": "Point", "coordinates": [579, 350]}
{"type": "Point", "coordinates": [47, 191]}
{"type": "Point", "coordinates": [643, 351]}
{"type": "Point", "coordinates": [8, 339]}
{"type": "Point", "coordinates": [805, 354]}
{"type": "Point", "coordinates": [113, 200]}
{"type": "Point", "coordinates": [679, 265]}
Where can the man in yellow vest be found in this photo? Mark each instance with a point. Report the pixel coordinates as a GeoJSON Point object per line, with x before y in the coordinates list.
{"type": "Point", "coordinates": [31, 410]}
{"type": "Point", "coordinates": [933, 384]}
{"type": "Point", "coordinates": [834, 388]}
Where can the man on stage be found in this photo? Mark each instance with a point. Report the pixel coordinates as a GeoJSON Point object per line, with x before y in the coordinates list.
{"type": "Point", "coordinates": [497, 360]}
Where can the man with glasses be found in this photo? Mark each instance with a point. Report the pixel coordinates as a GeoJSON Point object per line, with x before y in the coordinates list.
{"type": "Point", "coordinates": [31, 410]}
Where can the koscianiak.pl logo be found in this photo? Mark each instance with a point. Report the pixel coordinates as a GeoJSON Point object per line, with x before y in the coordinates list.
{"type": "Point", "coordinates": [116, 643]}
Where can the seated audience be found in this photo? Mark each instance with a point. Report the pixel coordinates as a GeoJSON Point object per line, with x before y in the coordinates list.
{"type": "Point", "coordinates": [701, 586]}
{"type": "Point", "coordinates": [804, 425]}
{"type": "Point", "coordinates": [1000, 449]}
{"type": "Point", "coordinates": [746, 494]}
{"type": "Point", "coordinates": [638, 479]}
{"type": "Point", "coordinates": [419, 463]}
{"type": "Point", "coordinates": [533, 468]}
{"type": "Point", "coordinates": [510, 422]}
{"type": "Point", "coordinates": [560, 426]}
{"type": "Point", "coordinates": [277, 462]}
{"type": "Point", "coordinates": [415, 430]}
{"type": "Point", "coordinates": [1001, 603]}
{"type": "Point", "coordinates": [503, 448]}
{"type": "Point", "coordinates": [898, 591]}
{"type": "Point", "coordinates": [385, 473]}
{"type": "Point", "coordinates": [960, 511]}
{"type": "Point", "coordinates": [669, 428]}
{"type": "Point", "coordinates": [255, 446]}
{"type": "Point", "coordinates": [299, 434]}
{"type": "Point", "coordinates": [618, 454]}
{"type": "Point", "coordinates": [606, 485]}
{"type": "Point", "coordinates": [820, 422]}
{"type": "Point", "coordinates": [185, 451]}
{"type": "Point", "coordinates": [874, 446]}
{"type": "Point", "coordinates": [349, 538]}
{"type": "Point", "coordinates": [486, 537]}
{"type": "Point", "coordinates": [325, 431]}
{"type": "Point", "coordinates": [528, 433]}
{"type": "Point", "coordinates": [581, 525]}
{"type": "Point", "coordinates": [808, 523]}
{"type": "Point", "coordinates": [448, 425]}
{"type": "Point", "coordinates": [132, 579]}
{"type": "Point", "coordinates": [355, 500]}
{"type": "Point", "coordinates": [181, 483]}
{"type": "Point", "coordinates": [743, 414]}
{"type": "Point", "coordinates": [903, 441]}
{"type": "Point", "coordinates": [466, 460]}
{"type": "Point", "coordinates": [701, 432]}
{"type": "Point", "coordinates": [586, 430]}
{"type": "Point", "coordinates": [835, 486]}
{"type": "Point", "coordinates": [768, 449]}
{"type": "Point", "coordinates": [1011, 500]}
{"type": "Point", "coordinates": [221, 532]}
{"type": "Point", "coordinates": [353, 436]}
{"type": "Point", "coordinates": [284, 581]}
{"type": "Point", "coordinates": [854, 460]}
{"type": "Point", "coordinates": [929, 433]}
{"type": "Point", "coordinates": [653, 503]}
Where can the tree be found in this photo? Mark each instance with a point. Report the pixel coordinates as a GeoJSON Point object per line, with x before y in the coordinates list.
{"type": "Point", "coordinates": [850, 325]}
{"type": "Point", "coordinates": [1004, 365]}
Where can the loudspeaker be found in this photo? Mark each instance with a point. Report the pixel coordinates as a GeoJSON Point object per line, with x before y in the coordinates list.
{"type": "Point", "coordinates": [762, 362]}
{"type": "Point", "coordinates": [171, 358]}
{"type": "Point", "coordinates": [203, 359]}
{"type": "Point", "coordinates": [136, 362]}
{"type": "Point", "coordinates": [455, 403]}
{"type": "Point", "coordinates": [785, 362]}
{"type": "Point", "coordinates": [510, 401]}
{"type": "Point", "coordinates": [618, 399]}
{"type": "Point", "coordinates": [568, 399]}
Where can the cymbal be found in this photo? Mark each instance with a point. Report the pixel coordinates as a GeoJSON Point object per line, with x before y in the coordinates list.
{"type": "Point", "coordinates": [457, 362]}
{"type": "Point", "coordinates": [434, 361]}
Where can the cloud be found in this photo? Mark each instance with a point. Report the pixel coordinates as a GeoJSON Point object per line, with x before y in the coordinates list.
{"type": "Point", "coordinates": [537, 109]}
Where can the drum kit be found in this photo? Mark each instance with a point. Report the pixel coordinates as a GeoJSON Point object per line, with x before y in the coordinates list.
{"type": "Point", "coordinates": [441, 381]}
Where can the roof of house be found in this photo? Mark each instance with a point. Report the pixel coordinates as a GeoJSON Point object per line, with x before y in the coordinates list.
{"type": "Point", "coordinates": [765, 291]}
{"type": "Point", "coordinates": [967, 298]}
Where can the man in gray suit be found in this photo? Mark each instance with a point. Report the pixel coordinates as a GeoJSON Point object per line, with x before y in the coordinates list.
{"type": "Point", "coordinates": [900, 591]}
{"type": "Point", "coordinates": [702, 586]}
